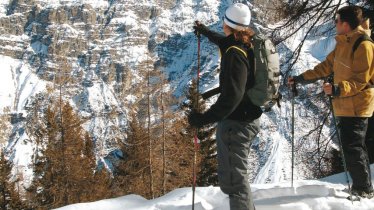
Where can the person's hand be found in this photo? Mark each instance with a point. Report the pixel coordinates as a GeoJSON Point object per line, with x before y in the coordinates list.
{"type": "Point", "coordinates": [196, 119]}
{"type": "Point", "coordinates": [327, 88]}
{"type": "Point", "coordinates": [292, 84]}
{"type": "Point", "coordinates": [199, 28]}
{"type": "Point", "coordinates": [291, 81]}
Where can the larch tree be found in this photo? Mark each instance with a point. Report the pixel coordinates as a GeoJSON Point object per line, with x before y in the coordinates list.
{"type": "Point", "coordinates": [132, 173]}
{"type": "Point", "coordinates": [66, 169]}
{"type": "Point", "coordinates": [207, 174]}
{"type": "Point", "coordinates": [9, 196]}
{"type": "Point", "coordinates": [5, 126]}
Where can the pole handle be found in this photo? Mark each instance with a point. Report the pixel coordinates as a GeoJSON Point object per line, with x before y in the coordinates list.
{"type": "Point", "coordinates": [330, 79]}
{"type": "Point", "coordinates": [294, 90]}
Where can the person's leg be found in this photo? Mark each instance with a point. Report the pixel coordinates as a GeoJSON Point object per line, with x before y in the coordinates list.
{"type": "Point", "coordinates": [233, 142]}
{"type": "Point", "coordinates": [370, 139]}
{"type": "Point", "coordinates": [353, 131]}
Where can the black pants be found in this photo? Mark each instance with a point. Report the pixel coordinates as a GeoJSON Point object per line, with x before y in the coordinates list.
{"type": "Point", "coordinates": [353, 132]}
{"type": "Point", "coordinates": [370, 139]}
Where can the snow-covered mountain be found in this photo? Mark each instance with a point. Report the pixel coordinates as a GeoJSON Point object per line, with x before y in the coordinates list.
{"type": "Point", "coordinates": [103, 47]}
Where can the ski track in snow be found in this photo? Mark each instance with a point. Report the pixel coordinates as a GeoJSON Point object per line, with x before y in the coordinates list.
{"type": "Point", "coordinates": [269, 169]}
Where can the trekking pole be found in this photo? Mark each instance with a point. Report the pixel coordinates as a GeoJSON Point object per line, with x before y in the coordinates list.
{"type": "Point", "coordinates": [294, 94]}
{"type": "Point", "coordinates": [196, 140]}
{"type": "Point", "coordinates": [329, 80]}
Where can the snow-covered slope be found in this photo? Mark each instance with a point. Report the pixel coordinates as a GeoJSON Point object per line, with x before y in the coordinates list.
{"type": "Point", "coordinates": [305, 195]}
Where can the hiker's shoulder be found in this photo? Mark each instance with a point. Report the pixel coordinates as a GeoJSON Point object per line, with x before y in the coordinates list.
{"type": "Point", "coordinates": [237, 50]}
{"type": "Point", "coordinates": [363, 44]}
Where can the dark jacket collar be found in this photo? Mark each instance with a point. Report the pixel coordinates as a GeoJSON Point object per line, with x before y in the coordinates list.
{"type": "Point", "coordinates": [228, 42]}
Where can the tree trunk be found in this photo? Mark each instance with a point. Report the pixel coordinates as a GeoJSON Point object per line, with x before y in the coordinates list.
{"type": "Point", "coordinates": [149, 137]}
{"type": "Point", "coordinates": [163, 145]}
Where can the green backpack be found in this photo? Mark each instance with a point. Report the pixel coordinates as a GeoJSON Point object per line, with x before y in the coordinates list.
{"type": "Point", "coordinates": [265, 92]}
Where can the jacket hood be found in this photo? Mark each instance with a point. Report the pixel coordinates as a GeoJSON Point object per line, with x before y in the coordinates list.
{"type": "Point", "coordinates": [353, 35]}
{"type": "Point", "coordinates": [230, 41]}
{"type": "Point", "coordinates": [366, 24]}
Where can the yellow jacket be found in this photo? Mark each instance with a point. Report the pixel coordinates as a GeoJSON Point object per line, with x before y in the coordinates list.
{"type": "Point", "coordinates": [353, 75]}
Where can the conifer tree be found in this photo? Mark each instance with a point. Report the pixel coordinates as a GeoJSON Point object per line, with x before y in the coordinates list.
{"type": "Point", "coordinates": [132, 173]}
{"type": "Point", "coordinates": [208, 166]}
{"type": "Point", "coordinates": [9, 197]}
{"type": "Point", "coordinates": [180, 149]}
{"type": "Point", "coordinates": [150, 156]}
{"type": "Point", "coordinates": [66, 170]}
{"type": "Point", "coordinates": [4, 126]}
{"type": "Point", "coordinates": [163, 124]}
{"type": "Point", "coordinates": [4, 186]}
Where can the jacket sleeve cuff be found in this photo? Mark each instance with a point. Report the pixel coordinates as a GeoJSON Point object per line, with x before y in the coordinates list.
{"type": "Point", "coordinates": [335, 90]}
{"type": "Point", "coordinates": [211, 93]}
{"type": "Point", "coordinates": [299, 79]}
{"type": "Point", "coordinates": [204, 30]}
{"type": "Point", "coordinates": [209, 118]}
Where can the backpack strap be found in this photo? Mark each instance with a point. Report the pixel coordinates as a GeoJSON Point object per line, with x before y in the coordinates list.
{"type": "Point", "coordinates": [361, 39]}
{"type": "Point", "coordinates": [252, 64]}
{"type": "Point", "coordinates": [238, 48]}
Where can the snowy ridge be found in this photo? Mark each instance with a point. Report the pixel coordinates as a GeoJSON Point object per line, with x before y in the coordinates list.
{"type": "Point", "coordinates": [306, 195]}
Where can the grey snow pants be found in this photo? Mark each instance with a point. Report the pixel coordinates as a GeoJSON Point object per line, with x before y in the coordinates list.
{"type": "Point", "coordinates": [234, 139]}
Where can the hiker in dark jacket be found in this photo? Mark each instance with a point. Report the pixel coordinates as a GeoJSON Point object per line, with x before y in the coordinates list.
{"type": "Point", "coordinates": [352, 91]}
{"type": "Point", "coordinates": [237, 117]}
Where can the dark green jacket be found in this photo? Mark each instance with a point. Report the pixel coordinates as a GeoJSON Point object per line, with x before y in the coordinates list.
{"type": "Point", "coordinates": [235, 78]}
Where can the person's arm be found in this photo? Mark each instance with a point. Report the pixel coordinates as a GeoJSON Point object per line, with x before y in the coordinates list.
{"type": "Point", "coordinates": [362, 69]}
{"type": "Point", "coordinates": [232, 87]}
{"type": "Point", "coordinates": [322, 70]}
{"type": "Point", "coordinates": [213, 36]}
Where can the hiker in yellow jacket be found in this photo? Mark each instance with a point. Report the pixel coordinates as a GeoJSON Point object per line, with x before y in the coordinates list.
{"type": "Point", "coordinates": [352, 90]}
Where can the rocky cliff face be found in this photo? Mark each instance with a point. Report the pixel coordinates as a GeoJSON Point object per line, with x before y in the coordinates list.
{"type": "Point", "coordinates": [97, 54]}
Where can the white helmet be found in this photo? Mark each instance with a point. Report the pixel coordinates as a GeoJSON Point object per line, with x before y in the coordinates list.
{"type": "Point", "coordinates": [238, 16]}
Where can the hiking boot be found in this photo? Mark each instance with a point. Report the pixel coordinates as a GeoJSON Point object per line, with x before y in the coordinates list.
{"type": "Point", "coordinates": [363, 193]}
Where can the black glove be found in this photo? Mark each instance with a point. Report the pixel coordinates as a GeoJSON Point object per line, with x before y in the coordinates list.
{"type": "Point", "coordinates": [211, 93]}
{"type": "Point", "coordinates": [196, 119]}
{"type": "Point", "coordinates": [335, 90]}
{"type": "Point", "coordinates": [299, 79]}
{"type": "Point", "coordinates": [200, 28]}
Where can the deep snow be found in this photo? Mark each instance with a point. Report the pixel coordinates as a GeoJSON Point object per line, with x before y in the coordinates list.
{"type": "Point", "coordinates": [325, 194]}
